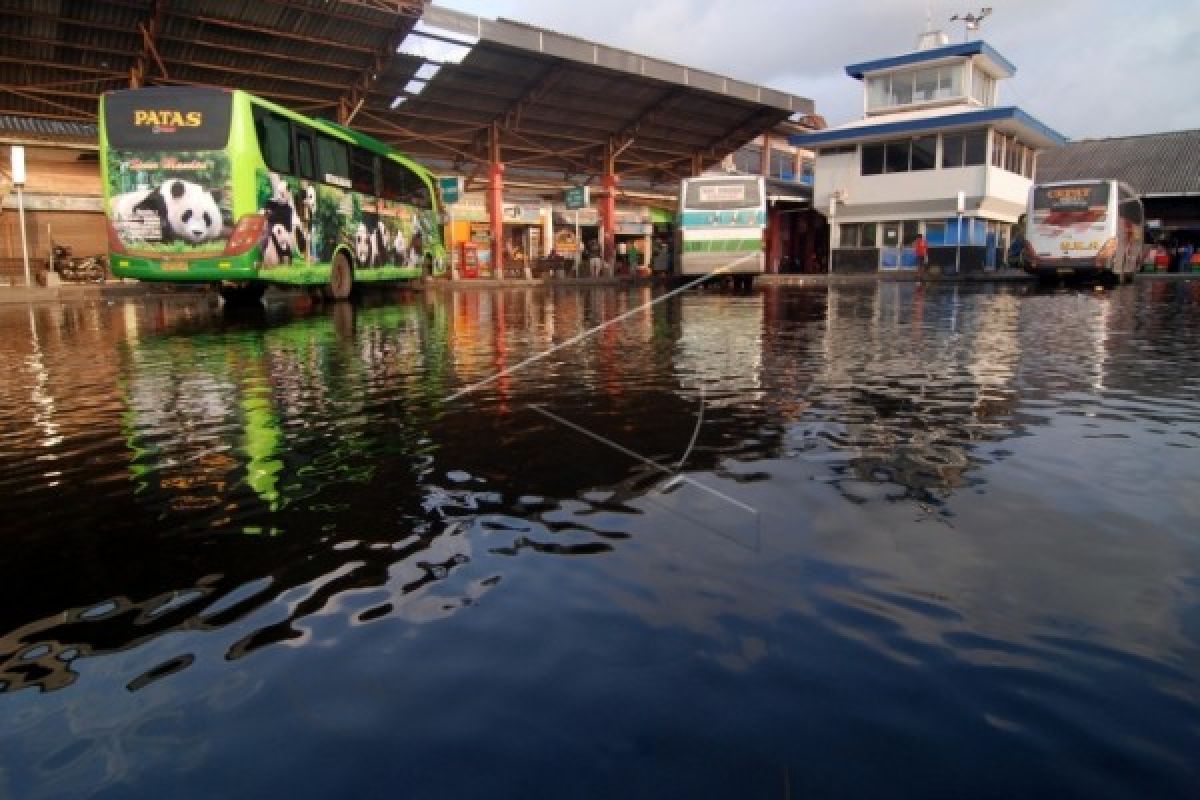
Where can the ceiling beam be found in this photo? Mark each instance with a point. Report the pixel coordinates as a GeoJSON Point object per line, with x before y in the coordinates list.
{"type": "Point", "coordinates": [274, 55]}
{"type": "Point", "coordinates": [295, 37]}
{"type": "Point", "coordinates": [149, 29]}
{"type": "Point", "coordinates": [353, 98]}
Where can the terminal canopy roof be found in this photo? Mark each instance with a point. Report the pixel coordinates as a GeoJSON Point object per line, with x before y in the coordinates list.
{"type": "Point", "coordinates": [442, 85]}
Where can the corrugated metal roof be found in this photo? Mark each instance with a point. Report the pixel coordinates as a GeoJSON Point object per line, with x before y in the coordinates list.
{"type": "Point", "coordinates": [553, 102]}
{"type": "Point", "coordinates": [49, 130]}
{"type": "Point", "coordinates": [1156, 163]}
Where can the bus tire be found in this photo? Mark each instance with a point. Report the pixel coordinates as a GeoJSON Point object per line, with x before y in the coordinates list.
{"type": "Point", "coordinates": [341, 278]}
{"type": "Point", "coordinates": [241, 296]}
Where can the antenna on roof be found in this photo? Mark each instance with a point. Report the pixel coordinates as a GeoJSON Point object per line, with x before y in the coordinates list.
{"type": "Point", "coordinates": [931, 39]}
{"type": "Point", "coordinates": [971, 21]}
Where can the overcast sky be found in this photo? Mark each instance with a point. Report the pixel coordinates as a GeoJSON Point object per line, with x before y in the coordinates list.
{"type": "Point", "coordinates": [1086, 68]}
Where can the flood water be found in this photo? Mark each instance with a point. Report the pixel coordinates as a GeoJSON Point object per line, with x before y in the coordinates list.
{"type": "Point", "coordinates": [832, 542]}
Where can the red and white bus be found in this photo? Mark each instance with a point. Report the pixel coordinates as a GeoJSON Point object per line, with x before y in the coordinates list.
{"type": "Point", "coordinates": [1083, 228]}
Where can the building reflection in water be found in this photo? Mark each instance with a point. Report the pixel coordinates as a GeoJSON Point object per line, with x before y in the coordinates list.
{"type": "Point", "coordinates": [233, 460]}
{"type": "Point", "coordinates": [245, 475]}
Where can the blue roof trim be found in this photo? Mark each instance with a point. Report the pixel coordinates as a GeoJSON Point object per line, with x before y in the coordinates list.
{"type": "Point", "coordinates": [949, 51]}
{"type": "Point", "coordinates": [983, 116]}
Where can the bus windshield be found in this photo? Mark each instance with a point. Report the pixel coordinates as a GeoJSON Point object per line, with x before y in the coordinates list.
{"type": "Point", "coordinates": [722, 193]}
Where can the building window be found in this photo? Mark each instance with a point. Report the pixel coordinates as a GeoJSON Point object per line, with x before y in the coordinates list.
{"type": "Point", "coordinates": [924, 152]}
{"type": "Point", "coordinates": [872, 159]}
{"type": "Point", "coordinates": [850, 233]}
{"type": "Point", "coordinates": [967, 149]}
{"type": "Point", "coordinates": [896, 155]}
{"type": "Point", "coordinates": [900, 155]}
{"type": "Point", "coordinates": [1012, 158]}
{"type": "Point", "coordinates": [975, 149]}
{"type": "Point", "coordinates": [914, 87]}
{"type": "Point", "coordinates": [983, 87]}
{"type": "Point", "coordinates": [858, 234]}
{"type": "Point", "coordinates": [748, 159]}
{"type": "Point", "coordinates": [935, 233]}
{"type": "Point", "coordinates": [783, 164]}
{"type": "Point", "coordinates": [1009, 154]}
{"type": "Point", "coordinates": [807, 167]}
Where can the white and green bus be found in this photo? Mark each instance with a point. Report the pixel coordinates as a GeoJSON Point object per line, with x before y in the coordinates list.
{"type": "Point", "coordinates": [217, 186]}
{"type": "Point", "coordinates": [721, 224]}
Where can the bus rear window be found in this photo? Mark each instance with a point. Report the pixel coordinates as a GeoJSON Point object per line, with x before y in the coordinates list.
{"type": "Point", "coordinates": [1071, 198]}
{"type": "Point", "coordinates": [168, 119]}
{"type": "Point", "coordinates": [732, 193]}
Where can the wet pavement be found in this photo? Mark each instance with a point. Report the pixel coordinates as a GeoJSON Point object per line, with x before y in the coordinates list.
{"type": "Point", "coordinates": [902, 540]}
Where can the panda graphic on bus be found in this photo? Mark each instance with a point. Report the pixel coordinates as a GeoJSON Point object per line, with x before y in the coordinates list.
{"type": "Point", "coordinates": [173, 203]}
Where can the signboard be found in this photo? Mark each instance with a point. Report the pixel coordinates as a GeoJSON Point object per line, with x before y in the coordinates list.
{"type": "Point", "coordinates": [576, 197]}
{"type": "Point", "coordinates": [722, 192]}
{"type": "Point", "coordinates": [451, 188]}
{"type": "Point", "coordinates": [522, 214]}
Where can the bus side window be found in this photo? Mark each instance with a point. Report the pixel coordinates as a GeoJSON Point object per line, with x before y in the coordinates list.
{"type": "Point", "coordinates": [362, 170]}
{"type": "Point", "coordinates": [304, 154]}
{"type": "Point", "coordinates": [403, 185]}
{"type": "Point", "coordinates": [332, 162]}
{"type": "Point", "coordinates": [274, 140]}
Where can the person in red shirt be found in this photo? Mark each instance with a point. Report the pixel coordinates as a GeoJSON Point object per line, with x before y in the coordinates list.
{"type": "Point", "coordinates": [922, 252]}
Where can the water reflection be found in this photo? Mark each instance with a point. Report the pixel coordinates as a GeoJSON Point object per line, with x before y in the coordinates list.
{"type": "Point", "coordinates": [930, 515]}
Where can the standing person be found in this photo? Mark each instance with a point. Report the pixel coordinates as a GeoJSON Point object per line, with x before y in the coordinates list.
{"type": "Point", "coordinates": [922, 252]}
{"type": "Point", "coordinates": [635, 258]}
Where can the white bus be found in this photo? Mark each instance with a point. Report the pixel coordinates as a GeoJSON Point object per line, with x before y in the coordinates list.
{"type": "Point", "coordinates": [720, 227]}
{"type": "Point", "coordinates": [1083, 228]}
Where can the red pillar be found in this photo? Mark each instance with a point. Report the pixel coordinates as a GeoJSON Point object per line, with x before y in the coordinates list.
{"type": "Point", "coordinates": [495, 209]}
{"type": "Point", "coordinates": [811, 223]}
{"type": "Point", "coordinates": [774, 238]}
{"type": "Point", "coordinates": [608, 217]}
{"type": "Point", "coordinates": [495, 202]}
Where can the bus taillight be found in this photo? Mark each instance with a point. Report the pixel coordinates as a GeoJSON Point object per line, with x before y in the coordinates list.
{"type": "Point", "coordinates": [115, 245]}
{"type": "Point", "coordinates": [248, 233]}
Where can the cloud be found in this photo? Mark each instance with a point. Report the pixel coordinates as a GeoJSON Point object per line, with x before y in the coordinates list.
{"type": "Point", "coordinates": [1087, 68]}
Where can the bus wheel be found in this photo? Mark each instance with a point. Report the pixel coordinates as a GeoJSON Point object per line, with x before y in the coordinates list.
{"type": "Point", "coordinates": [248, 295]}
{"type": "Point", "coordinates": [341, 278]}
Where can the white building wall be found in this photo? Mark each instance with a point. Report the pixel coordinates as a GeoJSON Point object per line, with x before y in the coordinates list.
{"type": "Point", "coordinates": [913, 187]}
{"type": "Point", "coordinates": [842, 173]}
{"type": "Point", "coordinates": [1009, 187]}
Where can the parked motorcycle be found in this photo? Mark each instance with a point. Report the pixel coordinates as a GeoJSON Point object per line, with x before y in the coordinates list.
{"type": "Point", "coordinates": [92, 269]}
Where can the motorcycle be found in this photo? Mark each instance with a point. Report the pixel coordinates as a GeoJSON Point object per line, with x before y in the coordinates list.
{"type": "Point", "coordinates": [92, 269]}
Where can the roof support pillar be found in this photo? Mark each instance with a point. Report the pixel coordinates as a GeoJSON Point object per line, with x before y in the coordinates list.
{"type": "Point", "coordinates": [495, 200]}
{"type": "Point", "coordinates": [775, 222]}
{"type": "Point", "coordinates": [608, 205]}
{"type": "Point", "coordinates": [812, 221]}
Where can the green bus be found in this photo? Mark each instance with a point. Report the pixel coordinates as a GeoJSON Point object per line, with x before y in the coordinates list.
{"type": "Point", "coordinates": [207, 185]}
